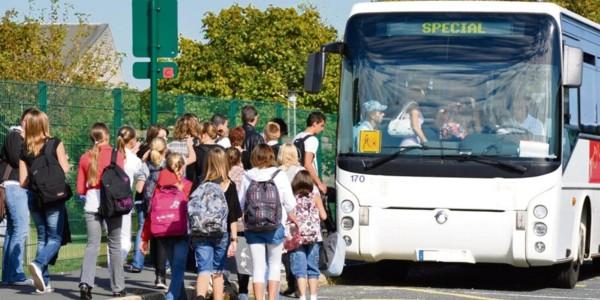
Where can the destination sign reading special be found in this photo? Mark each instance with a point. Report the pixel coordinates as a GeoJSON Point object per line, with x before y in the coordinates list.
{"type": "Point", "coordinates": [458, 28]}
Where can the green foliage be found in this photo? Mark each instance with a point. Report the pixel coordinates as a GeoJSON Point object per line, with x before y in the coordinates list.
{"type": "Point", "coordinates": [31, 51]}
{"type": "Point", "coordinates": [252, 54]}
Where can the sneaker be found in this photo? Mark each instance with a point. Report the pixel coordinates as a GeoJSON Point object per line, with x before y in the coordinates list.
{"type": "Point", "coordinates": [243, 297]}
{"type": "Point", "coordinates": [161, 283]}
{"type": "Point", "coordinates": [36, 275]}
{"type": "Point", "coordinates": [133, 269]}
{"type": "Point", "coordinates": [122, 293]}
{"type": "Point", "coordinates": [85, 292]}
{"type": "Point", "coordinates": [26, 282]}
{"type": "Point", "coordinates": [48, 289]}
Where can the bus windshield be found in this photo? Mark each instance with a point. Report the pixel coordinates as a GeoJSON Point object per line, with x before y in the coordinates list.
{"type": "Point", "coordinates": [477, 84]}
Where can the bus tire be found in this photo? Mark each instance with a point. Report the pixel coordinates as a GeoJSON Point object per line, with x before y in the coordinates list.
{"type": "Point", "coordinates": [596, 261]}
{"type": "Point", "coordinates": [568, 274]}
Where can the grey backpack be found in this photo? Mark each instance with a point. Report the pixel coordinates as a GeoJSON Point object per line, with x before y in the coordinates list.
{"type": "Point", "coordinates": [207, 211]}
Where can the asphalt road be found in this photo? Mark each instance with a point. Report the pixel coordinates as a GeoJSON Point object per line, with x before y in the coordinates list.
{"type": "Point", "coordinates": [390, 280]}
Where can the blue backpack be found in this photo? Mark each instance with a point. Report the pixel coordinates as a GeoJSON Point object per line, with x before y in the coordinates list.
{"type": "Point", "coordinates": [207, 211]}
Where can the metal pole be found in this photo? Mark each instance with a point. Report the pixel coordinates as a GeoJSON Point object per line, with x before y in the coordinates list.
{"type": "Point", "coordinates": [294, 118]}
{"type": "Point", "coordinates": [118, 110]}
{"type": "Point", "coordinates": [153, 65]}
{"type": "Point", "coordinates": [42, 96]}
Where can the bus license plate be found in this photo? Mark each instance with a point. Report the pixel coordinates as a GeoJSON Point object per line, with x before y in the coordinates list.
{"type": "Point", "coordinates": [445, 255]}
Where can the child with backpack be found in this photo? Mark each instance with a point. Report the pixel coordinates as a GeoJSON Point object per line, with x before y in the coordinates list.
{"type": "Point", "coordinates": [265, 194]}
{"type": "Point", "coordinates": [213, 211]}
{"type": "Point", "coordinates": [128, 145]}
{"type": "Point", "coordinates": [42, 167]}
{"type": "Point", "coordinates": [167, 221]}
{"type": "Point", "coordinates": [146, 179]}
{"type": "Point", "coordinates": [304, 260]}
{"type": "Point", "coordinates": [91, 167]}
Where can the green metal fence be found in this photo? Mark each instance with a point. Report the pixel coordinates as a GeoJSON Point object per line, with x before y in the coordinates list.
{"type": "Point", "coordinates": [72, 110]}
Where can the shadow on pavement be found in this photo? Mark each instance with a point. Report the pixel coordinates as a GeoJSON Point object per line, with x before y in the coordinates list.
{"type": "Point", "coordinates": [453, 276]}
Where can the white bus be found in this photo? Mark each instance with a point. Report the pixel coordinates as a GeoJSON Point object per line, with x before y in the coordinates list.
{"type": "Point", "coordinates": [499, 160]}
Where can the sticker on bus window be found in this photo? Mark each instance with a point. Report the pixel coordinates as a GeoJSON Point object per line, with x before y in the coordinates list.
{"type": "Point", "coordinates": [369, 141]}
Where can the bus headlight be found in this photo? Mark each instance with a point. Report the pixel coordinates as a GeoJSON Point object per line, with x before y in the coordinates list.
{"type": "Point", "coordinates": [540, 247]}
{"type": "Point", "coordinates": [540, 211]}
{"type": "Point", "coordinates": [347, 206]}
{"type": "Point", "coordinates": [347, 223]}
{"type": "Point", "coordinates": [540, 229]}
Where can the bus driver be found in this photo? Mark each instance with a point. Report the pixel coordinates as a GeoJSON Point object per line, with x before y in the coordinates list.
{"type": "Point", "coordinates": [373, 112]}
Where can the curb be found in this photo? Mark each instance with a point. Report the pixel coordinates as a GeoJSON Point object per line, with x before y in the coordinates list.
{"type": "Point", "coordinates": [191, 293]}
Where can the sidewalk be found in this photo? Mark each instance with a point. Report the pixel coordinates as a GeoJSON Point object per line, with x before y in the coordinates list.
{"type": "Point", "coordinates": [139, 286]}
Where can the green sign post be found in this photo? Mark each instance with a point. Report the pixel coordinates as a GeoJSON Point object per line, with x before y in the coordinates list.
{"type": "Point", "coordinates": [154, 36]}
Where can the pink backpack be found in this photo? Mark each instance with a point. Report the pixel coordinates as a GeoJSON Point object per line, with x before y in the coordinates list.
{"type": "Point", "coordinates": [307, 215]}
{"type": "Point", "coordinates": [168, 212]}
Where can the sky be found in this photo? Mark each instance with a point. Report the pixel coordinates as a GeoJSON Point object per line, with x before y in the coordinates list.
{"type": "Point", "coordinates": [117, 13]}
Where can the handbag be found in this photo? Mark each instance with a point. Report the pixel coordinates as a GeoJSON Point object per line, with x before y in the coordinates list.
{"type": "Point", "coordinates": [401, 126]}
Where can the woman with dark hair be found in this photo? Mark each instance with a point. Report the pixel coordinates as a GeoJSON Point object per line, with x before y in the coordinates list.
{"type": "Point", "coordinates": [152, 132]}
{"type": "Point", "coordinates": [17, 197]}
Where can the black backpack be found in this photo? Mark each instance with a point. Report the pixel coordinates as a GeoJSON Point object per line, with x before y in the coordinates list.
{"type": "Point", "coordinates": [47, 179]}
{"type": "Point", "coordinates": [150, 185]}
{"type": "Point", "coordinates": [299, 143]}
{"type": "Point", "coordinates": [115, 191]}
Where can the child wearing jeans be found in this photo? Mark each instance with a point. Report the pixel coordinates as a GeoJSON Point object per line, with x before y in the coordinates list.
{"type": "Point", "coordinates": [212, 251]}
{"type": "Point", "coordinates": [174, 190]}
{"type": "Point", "coordinates": [304, 260]}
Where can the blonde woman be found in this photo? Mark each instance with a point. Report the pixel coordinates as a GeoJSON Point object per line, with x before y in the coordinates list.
{"type": "Point", "coordinates": [91, 166]}
{"type": "Point", "coordinates": [50, 219]}
{"type": "Point", "coordinates": [211, 252]}
{"type": "Point", "coordinates": [146, 179]}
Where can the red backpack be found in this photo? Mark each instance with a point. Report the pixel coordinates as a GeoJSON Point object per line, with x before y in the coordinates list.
{"type": "Point", "coordinates": [168, 212]}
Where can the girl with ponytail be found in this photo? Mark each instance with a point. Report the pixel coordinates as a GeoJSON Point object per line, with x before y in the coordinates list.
{"type": "Point", "coordinates": [146, 179]}
{"type": "Point", "coordinates": [128, 145]}
{"type": "Point", "coordinates": [174, 243]}
{"type": "Point", "coordinates": [91, 166]}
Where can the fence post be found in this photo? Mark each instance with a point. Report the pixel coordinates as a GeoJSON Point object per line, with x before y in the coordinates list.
{"type": "Point", "coordinates": [233, 112]}
{"type": "Point", "coordinates": [118, 110]}
{"type": "Point", "coordinates": [180, 105]}
{"type": "Point", "coordinates": [279, 110]}
{"type": "Point", "coordinates": [42, 96]}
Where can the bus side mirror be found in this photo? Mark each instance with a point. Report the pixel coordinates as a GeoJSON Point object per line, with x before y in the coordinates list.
{"type": "Point", "coordinates": [572, 67]}
{"type": "Point", "coordinates": [315, 71]}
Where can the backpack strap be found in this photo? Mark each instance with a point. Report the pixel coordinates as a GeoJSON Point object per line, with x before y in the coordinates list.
{"type": "Point", "coordinates": [274, 174]}
{"type": "Point", "coordinates": [113, 157]}
{"type": "Point", "coordinates": [49, 147]}
{"type": "Point", "coordinates": [306, 137]}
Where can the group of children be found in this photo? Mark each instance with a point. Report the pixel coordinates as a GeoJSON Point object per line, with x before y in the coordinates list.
{"type": "Point", "coordinates": [208, 190]}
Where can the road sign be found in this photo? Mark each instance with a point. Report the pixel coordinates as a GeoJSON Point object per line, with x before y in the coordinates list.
{"type": "Point", "coordinates": [165, 16]}
{"type": "Point", "coordinates": [164, 70]}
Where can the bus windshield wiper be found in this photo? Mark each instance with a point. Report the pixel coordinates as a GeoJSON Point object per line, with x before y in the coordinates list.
{"type": "Point", "coordinates": [368, 165]}
{"type": "Point", "coordinates": [493, 162]}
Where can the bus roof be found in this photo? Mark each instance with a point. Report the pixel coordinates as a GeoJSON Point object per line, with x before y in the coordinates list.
{"type": "Point", "coordinates": [469, 6]}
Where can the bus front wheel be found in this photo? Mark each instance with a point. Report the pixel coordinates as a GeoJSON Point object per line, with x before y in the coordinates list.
{"type": "Point", "coordinates": [568, 274]}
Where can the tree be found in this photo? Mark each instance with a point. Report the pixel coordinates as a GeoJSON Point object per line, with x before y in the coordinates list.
{"type": "Point", "coordinates": [31, 51]}
{"type": "Point", "coordinates": [252, 54]}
